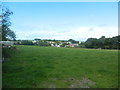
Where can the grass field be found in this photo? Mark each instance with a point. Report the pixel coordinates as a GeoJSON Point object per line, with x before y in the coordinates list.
{"type": "Point", "coordinates": [52, 67]}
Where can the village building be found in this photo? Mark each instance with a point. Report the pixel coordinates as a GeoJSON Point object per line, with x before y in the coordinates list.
{"type": "Point", "coordinates": [34, 41]}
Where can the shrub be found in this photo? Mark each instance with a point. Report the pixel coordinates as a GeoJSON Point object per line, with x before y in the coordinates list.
{"type": "Point", "coordinates": [7, 52]}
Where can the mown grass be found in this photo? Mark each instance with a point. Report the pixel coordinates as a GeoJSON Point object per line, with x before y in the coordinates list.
{"type": "Point", "coordinates": [51, 67]}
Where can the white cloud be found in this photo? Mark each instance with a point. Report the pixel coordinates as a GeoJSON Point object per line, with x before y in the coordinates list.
{"type": "Point", "coordinates": [97, 32]}
{"type": "Point", "coordinates": [68, 32]}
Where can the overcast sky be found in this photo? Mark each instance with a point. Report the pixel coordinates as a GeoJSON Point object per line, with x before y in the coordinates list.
{"type": "Point", "coordinates": [64, 20]}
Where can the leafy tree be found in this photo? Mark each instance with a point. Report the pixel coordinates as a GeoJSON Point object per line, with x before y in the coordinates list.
{"type": "Point", "coordinates": [43, 43]}
{"type": "Point", "coordinates": [37, 39]}
{"type": "Point", "coordinates": [82, 45]}
{"type": "Point", "coordinates": [7, 33]}
{"type": "Point", "coordinates": [91, 43]}
{"type": "Point", "coordinates": [72, 41]}
{"type": "Point", "coordinates": [103, 42]}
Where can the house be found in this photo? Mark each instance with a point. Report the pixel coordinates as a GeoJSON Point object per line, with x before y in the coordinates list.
{"type": "Point", "coordinates": [74, 44]}
{"type": "Point", "coordinates": [58, 45]}
{"type": "Point", "coordinates": [55, 45]}
{"type": "Point", "coordinates": [79, 42]}
{"type": "Point", "coordinates": [70, 45]}
{"type": "Point", "coordinates": [34, 41]}
{"type": "Point", "coordinates": [52, 45]}
{"type": "Point", "coordinates": [50, 42]}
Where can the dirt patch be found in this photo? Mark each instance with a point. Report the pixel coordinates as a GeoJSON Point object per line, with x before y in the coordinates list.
{"type": "Point", "coordinates": [82, 83]}
{"type": "Point", "coordinates": [51, 86]}
{"type": "Point", "coordinates": [53, 79]}
{"type": "Point", "coordinates": [71, 83]}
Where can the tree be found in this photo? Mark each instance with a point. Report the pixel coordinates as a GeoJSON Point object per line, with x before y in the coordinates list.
{"type": "Point", "coordinates": [91, 43]}
{"type": "Point", "coordinates": [43, 43]}
{"type": "Point", "coordinates": [72, 41]}
{"type": "Point", "coordinates": [7, 33]}
{"type": "Point", "coordinates": [101, 42]}
{"type": "Point", "coordinates": [37, 39]}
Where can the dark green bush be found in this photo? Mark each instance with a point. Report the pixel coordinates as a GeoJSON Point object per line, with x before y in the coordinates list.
{"type": "Point", "coordinates": [7, 52]}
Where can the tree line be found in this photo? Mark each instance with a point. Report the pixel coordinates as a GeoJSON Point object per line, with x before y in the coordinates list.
{"type": "Point", "coordinates": [102, 43]}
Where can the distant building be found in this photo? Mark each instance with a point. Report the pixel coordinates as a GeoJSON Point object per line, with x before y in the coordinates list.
{"type": "Point", "coordinates": [74, 44]}
{"type": "Point", "coordinates": [52, 45]}
{"type": "Point", "coordinates": [79, 42]}
{"type": "Point", "coordinates": [34, 41]}
{"type": "Point", "coordinates": [51, 42]}
{"type": "Point", "coordinates": [70, 45]}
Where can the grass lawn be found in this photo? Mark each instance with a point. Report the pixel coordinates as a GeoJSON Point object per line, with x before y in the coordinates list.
{"type": "Point", "coordinates": [52, 67]}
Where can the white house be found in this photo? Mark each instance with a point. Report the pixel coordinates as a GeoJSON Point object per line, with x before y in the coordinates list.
{"type": "Point", "coordinates": [75, 44]}
{"type": "Point", "coordinates": [52, 45]}
{"type": "Point", "coordinates": [79, 42]}
{"type": "Point", "coordinates": [34, 41]}
{"type": "Point", "coordinates": [58, 45]}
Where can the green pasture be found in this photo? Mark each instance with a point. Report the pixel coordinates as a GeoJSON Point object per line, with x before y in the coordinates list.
{"type": "Point", "coordinates": [52, 67]}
